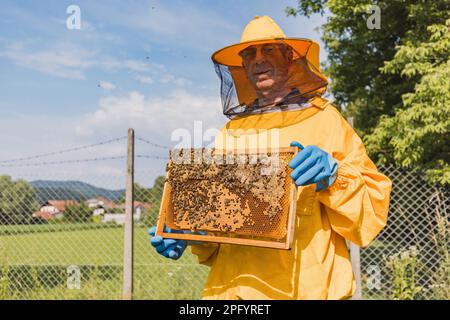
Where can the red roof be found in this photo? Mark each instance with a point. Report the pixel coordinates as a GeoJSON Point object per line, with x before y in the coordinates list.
{"type": "Point", "coordinates": [61, 204]}
{"type": "Point", "coordinates": [144, 205]}
{"type": "Point", "coordinates": [108, 203]}
{"type": "Point", "coordinates": [43, 215]}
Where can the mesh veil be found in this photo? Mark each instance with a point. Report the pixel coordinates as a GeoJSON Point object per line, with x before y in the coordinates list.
{"type": "Point", "coordinates": [239, 97]}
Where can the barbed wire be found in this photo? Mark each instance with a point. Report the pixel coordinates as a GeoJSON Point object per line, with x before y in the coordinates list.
{"type": "Point", "coordinates": [151, 157]}
{"type": "Point", "coordinates": [63, 151]}
{"type": "Point", "coordinates": [45, 163]}
{"type": "Point", "coordinates": [58, 152]}
{"type": "Point", "coordinates": [152, 143]}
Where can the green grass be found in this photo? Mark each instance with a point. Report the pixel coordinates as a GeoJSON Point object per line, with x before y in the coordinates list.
{"type": "Point", "coordinates": [34, 266]}
{"type": "Point", "coordinates": [51, 227]}
{"type": "Point", "coordinates": [97, 247]}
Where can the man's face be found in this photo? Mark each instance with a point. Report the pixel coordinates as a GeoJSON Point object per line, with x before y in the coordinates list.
{"type": "Point", "coordinates": [267, 66]}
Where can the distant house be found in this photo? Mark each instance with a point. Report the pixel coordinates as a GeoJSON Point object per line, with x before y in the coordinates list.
{"type": "Point", "coordinates": [53, 209]}
{"type": "Point", "coordinates": [98, 211]}
{"type": "Point", "coordinates": [100, 205]}
{"type": "Point", "coordinates": [100, 201]}
{"type": "Point", "coordinates": [139, 207]}
{"type": "Point", "coordinates": [119, 218]}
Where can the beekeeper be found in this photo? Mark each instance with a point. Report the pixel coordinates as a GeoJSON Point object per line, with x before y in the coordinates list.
{"type": "Point", "coordinates": [273, 82]}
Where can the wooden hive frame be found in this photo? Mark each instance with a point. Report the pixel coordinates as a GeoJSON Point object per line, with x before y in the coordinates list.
{"type": "Point", "coordinates": [286, 244]}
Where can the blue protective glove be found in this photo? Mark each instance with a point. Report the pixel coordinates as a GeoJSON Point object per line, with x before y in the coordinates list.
{"type": "Point", "coordinates": [313, 165]}
{"type": "Point", "coordinates": [169, 248]}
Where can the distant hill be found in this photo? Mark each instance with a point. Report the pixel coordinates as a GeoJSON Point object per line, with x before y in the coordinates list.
{"type": "Point", "coordinates": [74, 190]}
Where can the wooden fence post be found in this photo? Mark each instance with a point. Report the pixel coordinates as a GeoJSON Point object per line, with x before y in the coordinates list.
{"type": "Point", "coordinates": [355, 257]}
{"type": "Point", "coordinates": [127, 290]}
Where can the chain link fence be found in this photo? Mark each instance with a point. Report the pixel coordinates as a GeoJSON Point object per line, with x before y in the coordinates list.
{"type": "Point", "coordinates": [410, 258]}
{"type": "Point", "coordinates": [54, 243]}
{"type": "Point", "coordinates": [61, 235]}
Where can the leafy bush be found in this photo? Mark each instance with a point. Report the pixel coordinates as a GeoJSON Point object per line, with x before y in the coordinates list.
{"type": "Point", "coordinates": [78, 213]}
{"type": "Point", "coordinates": [404, 279]}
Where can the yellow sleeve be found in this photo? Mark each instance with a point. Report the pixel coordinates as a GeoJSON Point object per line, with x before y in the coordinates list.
{"type": "Point", "coordinates": [206, 252]}
{"type": "Point", "coordinates": [357, 203]}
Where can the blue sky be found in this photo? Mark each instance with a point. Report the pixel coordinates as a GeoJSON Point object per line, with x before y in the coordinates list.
{"type": "Point", "coordinates": [140, 64]}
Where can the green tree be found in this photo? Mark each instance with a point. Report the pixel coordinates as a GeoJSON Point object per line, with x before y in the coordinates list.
{"type": "Point", "coordinates": [151, 196]}
{"type": "Point", "coordinates": [140, 194]}
{"type": "Point", "coordinates": [367, 80]}
{"type": "Point", "coordinates": [148, 195]}
{"type": "Point", "coordinates": [156, 191]}
{"type": "Point", "coordinates": [419, 135]}
{"type": "Point", "coordinates": [77, 213]}
{"type": "Point", "coordinates": [17, 201]}
{"type": "Point", "coordinates": [150, 217]}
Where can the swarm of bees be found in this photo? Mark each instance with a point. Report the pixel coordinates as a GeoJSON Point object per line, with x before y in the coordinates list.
{"type": "Point", "coordinates": [233, 193]}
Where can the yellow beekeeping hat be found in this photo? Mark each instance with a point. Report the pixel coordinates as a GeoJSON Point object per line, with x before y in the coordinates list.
{"type": "Point", "coordinates": [264, 30]}
{"type": "Point", "coordinates": [305, 74]}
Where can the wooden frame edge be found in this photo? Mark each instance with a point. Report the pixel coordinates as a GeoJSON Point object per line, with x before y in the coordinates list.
{"type": "Point", "coordinates": [226, 240]}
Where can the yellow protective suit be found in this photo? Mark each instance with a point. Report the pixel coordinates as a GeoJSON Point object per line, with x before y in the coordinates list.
{"type": "Point", "coordinates": [354, 207]}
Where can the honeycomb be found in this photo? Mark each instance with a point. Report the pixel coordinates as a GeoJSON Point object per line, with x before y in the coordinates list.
{"type": "Point", "coordinates": [236, 194]}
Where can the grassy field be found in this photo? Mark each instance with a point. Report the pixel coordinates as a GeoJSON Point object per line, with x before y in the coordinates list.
{"type": "Point", "coordinates": [33, 265]}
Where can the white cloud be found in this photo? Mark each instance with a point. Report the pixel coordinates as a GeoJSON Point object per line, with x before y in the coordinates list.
{"type": "Point", "coordinates": [135, 65]}
{"type": "Point", "coordinates": [66, 60]}
{"type": "Point", "coordinates": [63, 60]}
{"type": "Point", "coordinates": [182, 82]}
{"type": "Point", "coordinates": [144, 79]}
{"type": "Point", "coordinates": [179, 81]}
{"type": "Point", "coordinates": [106, 85]}
{"type": "Point", "coordinates": [166, 78]}
{"type": "Point", "coordinates": [152, 117]}
{"type": "Point", "coordinates": [113, 64]}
